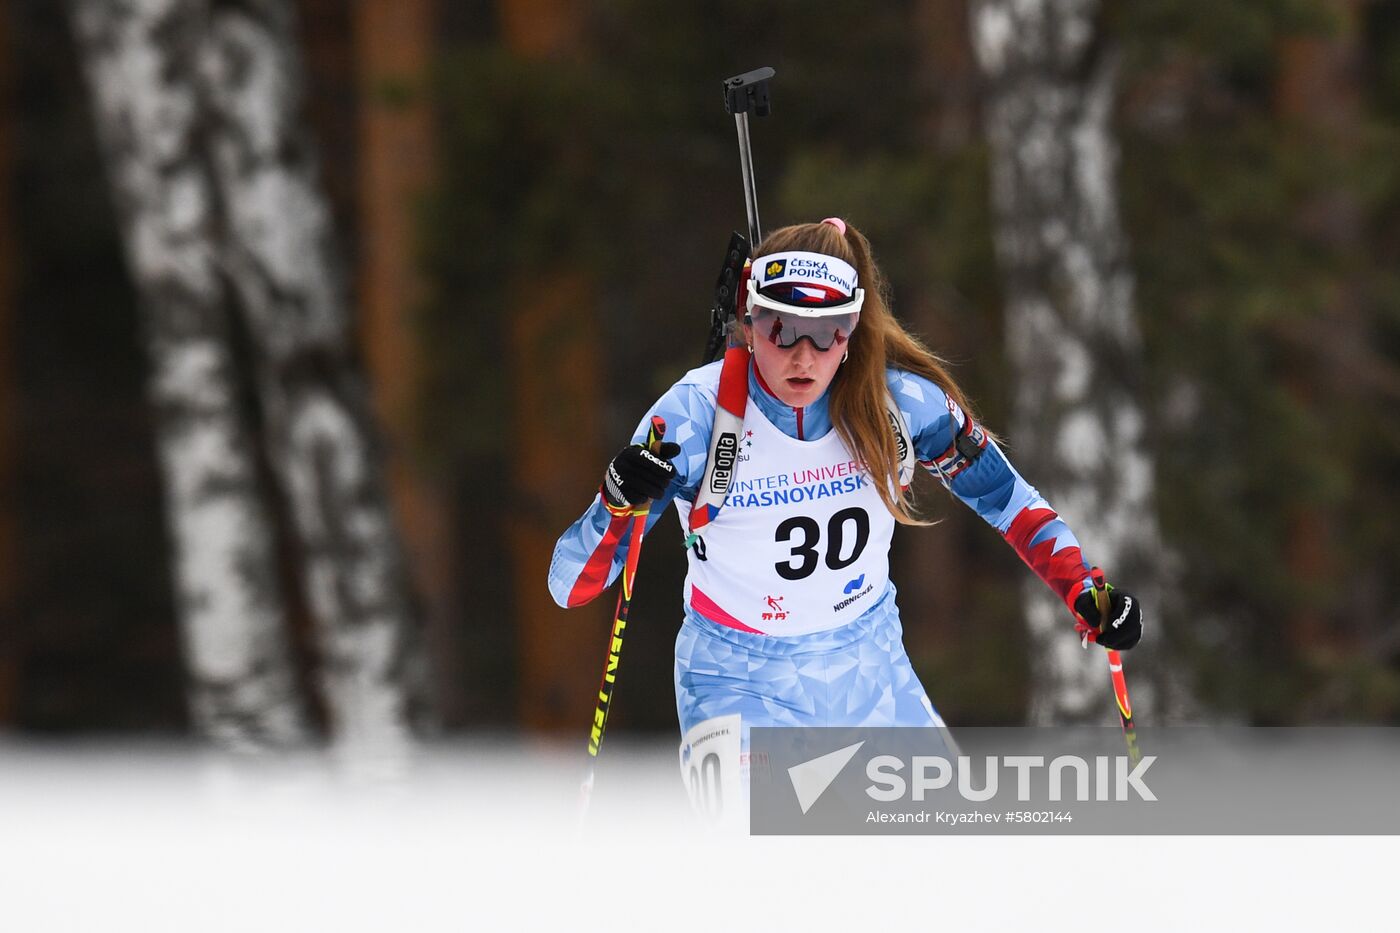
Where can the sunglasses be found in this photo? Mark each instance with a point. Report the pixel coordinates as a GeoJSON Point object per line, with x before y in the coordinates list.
{"type": "Point", "coordinates": [783, 325]}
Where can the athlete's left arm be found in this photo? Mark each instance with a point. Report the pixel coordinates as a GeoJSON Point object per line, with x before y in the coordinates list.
{"type": "Point", "coordinates": [958, 451]}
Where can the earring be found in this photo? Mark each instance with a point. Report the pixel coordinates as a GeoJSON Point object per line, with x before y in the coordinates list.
{"type": "Point", "coordinates": [846, 356]}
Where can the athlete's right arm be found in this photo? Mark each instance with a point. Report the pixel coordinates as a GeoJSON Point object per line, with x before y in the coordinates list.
{"type": "Point", "coordinates": [590, 554]}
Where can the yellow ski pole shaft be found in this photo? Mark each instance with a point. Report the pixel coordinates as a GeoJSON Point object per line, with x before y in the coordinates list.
{"type": "Point", "coordinates": [619, 626]}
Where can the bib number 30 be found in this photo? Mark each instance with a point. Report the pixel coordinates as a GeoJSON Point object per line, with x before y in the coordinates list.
{"type": "Point", "coordinates": [802, 563]}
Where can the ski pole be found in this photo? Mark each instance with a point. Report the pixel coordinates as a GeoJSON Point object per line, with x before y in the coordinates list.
{"type": "Point", "coordinates": [742, 93]}
{"type": "Point", "coordinates": [624, 602]}
{"type": "Point", "coordinates": [1115, 669]}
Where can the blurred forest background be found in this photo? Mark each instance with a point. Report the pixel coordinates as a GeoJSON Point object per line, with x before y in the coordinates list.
{"type": "Point", "coordinates": [528, 202]}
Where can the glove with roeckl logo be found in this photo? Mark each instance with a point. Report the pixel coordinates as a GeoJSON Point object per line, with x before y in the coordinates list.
{"type": "Point", "coordinates": [636, 475]}
{"type": "Point", "coordinates": [1124, 625]}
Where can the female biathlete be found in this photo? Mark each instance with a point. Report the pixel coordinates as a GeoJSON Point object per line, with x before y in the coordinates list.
{"type": "Point", "coordinates": [790, 616]}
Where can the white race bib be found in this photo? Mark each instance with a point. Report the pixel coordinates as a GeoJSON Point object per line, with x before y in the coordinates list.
{"type": "Point", "coordinates": [802, 542]}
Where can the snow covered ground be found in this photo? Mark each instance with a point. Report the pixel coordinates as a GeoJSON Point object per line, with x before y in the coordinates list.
{"type": "Point", "coordinates": [486, 836]}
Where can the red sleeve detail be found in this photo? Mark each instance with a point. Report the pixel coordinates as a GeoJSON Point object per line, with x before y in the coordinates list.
{"type": "Point", "coordinates": [1024, 527]}
{"type": "Point", "coordinates": [1063, 570]}
{"type": "Point", "coordinates": [594, 578]}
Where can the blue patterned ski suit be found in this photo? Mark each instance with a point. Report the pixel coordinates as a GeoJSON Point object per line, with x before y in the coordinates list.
{"type": "Point", "coordinates": [857, 674]}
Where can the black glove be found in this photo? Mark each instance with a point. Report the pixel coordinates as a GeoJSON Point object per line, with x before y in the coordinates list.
{"type": "Point", "coordinates": [636, 475]}
{"type": "Point", "coordinates": [1124, 626]}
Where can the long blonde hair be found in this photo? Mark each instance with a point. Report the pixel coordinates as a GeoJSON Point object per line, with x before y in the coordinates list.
{"type": "Point", "coordinates": [858, 391]}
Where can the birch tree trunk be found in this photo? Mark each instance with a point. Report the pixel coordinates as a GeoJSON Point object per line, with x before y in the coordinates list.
{"type": "Point", "coordinates": [215, 178]}
{"type": "Point", "coordinates": [1072, 339]}
{"type": "Point", "coordinates": [139, 61]}
{"type": "Point", "coordinates": [279, 255]}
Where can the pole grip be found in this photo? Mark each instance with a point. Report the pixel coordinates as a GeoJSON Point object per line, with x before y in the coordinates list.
{"type": "Point", "coordinates": [1101, 598]}
{"type": "Point", "coordinates": [656, 433]}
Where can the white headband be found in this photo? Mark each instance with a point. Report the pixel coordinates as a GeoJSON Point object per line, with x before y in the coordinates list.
{"type": "Point", "coordinates": [805, 268]}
